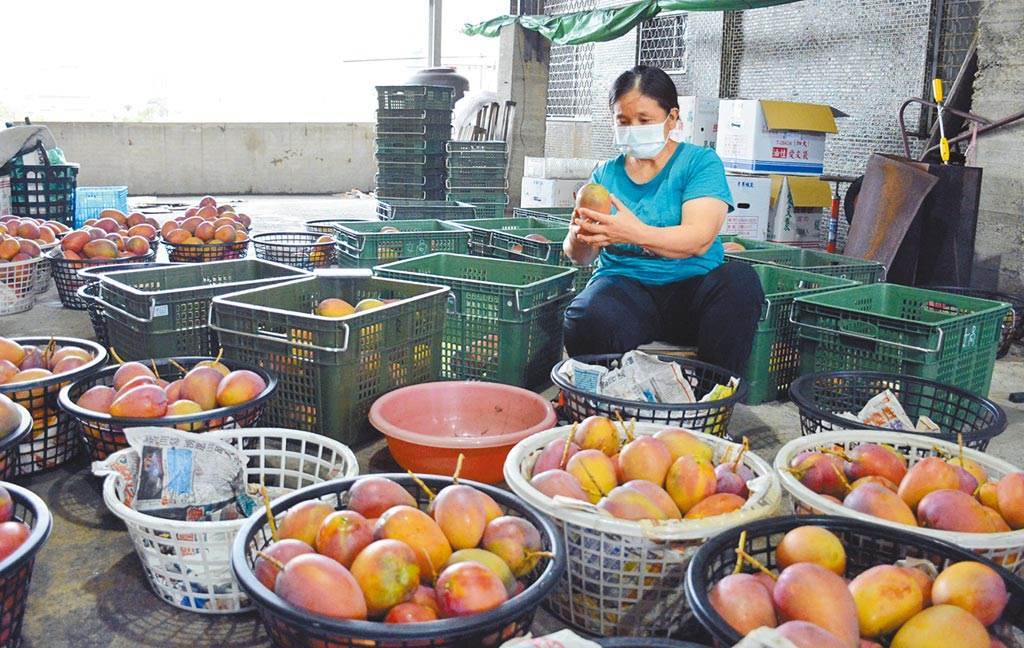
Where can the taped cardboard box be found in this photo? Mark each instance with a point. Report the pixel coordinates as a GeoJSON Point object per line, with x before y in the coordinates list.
{"type": "Point", "coordinates": [548, 168]}
{"type": "Point", "coordinates": [698, 121]}
{"type": "Point", "coordinates": [752, 197]}
{"type": "Point", "coordinates": [797, 208]}
{"type": "Point", "coordinates": [548, 192]}
{"type": "Point", "coordinates": [774, 136]}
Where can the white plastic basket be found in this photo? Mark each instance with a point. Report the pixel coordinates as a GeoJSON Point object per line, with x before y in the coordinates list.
{"type": "Point", "coordinates": [1003, 548]}
{"type": "Point", "coordinates": [188, 564]}
{"type": "Point", "coordinates": [625, 577]}
{"type": "Point", "coordinates": [18, 285]}
{"type": "Point", "coordinates": [44, 272]}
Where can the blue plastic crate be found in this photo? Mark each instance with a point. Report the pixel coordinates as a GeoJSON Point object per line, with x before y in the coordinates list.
{"type": "Point", "coordinates": [90, 201]}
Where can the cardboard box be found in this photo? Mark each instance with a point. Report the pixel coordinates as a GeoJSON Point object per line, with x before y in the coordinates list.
{"type": "Point", "coordinates": [752, 197]}
{"type": "Point", "coordinates": [698, 121]}
{"type": "Point", "coordinates": [548, 192]}
{"type": "Point", "coordinates": [773, 136]}
{"type": "Point", "coordinates": [558, 168]}
{"type": "Point", "coordinates": [797, 207]}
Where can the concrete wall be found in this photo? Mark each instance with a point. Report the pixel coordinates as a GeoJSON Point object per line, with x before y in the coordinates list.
{"type": "Point", "coordinates": [567, 138]}
{"type": "Point", "coordinates": [998, 89]}
{"type": "Point", "coordinates": [230, 158]}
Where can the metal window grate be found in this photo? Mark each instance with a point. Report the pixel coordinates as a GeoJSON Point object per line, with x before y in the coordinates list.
{"type": "Point", "coordinates": [571, 71]}
{"type": "Point", "coordinates": [662, 42]}
{"type": "Point", "coordinates": [957, 26]}
{"type": "Point", "coordinates": [569, 81]}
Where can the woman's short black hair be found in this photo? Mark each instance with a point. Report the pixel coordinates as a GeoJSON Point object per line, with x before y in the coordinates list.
{"type": "Point", "coordinates": [651, 82]}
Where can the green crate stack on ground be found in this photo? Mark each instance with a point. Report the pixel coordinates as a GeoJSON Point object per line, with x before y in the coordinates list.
{"type": "Point", "coordinates": [478, 175]}
{"type": "Point", "coordinates": [563, 214]}
{"type": "Point", "coordinates": [948, 338]}
{"type": "Point", "coordinates": [413, 124]}
{"type": "Point", "coordinates": [408, 209]}
{"type": "Point", "coordinates": [775, 355]}
{"type": "Point", "coordinates": [163, 312]}
{"type": "Point", "coordinates": [364, 245]}
{"type": "Point", "coordinates": [330, 370]}
{"type": "Point", "coordinates": [826, 263]}
{"type": "Point", "coordinates": [504, 318]}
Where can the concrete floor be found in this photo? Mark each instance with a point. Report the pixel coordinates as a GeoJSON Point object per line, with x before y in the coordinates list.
{"type": "Point", "coordinates": [89, 589]}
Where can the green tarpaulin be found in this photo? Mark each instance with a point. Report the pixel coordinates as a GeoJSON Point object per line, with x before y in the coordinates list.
{"type": "Point", "coordinates": [607, 24]}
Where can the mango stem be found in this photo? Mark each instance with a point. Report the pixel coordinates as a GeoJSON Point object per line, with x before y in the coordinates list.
{"type": "Point", "coordinates": [270, 559]}
{"type": "Point", "coordinates": [271, 522]}
{"type": "Point", "coordinates": [178, 366]}
{"type": "Point", "coordinates": [419, 482]}
{"type": "Point", "coordinates": [458, 468]}
{"type": "Point", "coordinates": [565, 451]}
{"type": "Point", "coordinates": [739, 552]}
{"type": "Point", "coordinates": [739, 457]}
{"type": "Point", "coordinates": [155, 372]}
{"type": "Point", "coordinates": [117, 358]}
{"type": "Point", "coordinates": [757, 564]}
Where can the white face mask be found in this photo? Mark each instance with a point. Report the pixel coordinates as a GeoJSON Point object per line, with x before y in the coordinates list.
{"type": "Point", "coordinates": [643, 142]}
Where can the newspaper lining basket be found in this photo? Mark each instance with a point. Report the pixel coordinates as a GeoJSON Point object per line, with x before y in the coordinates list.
{"type": "Point", "coordinates": [1006, 549]}
{"type": "Point", "coordinates": [188, 564]}
{"type": "Point", "coordinates": [626, 577]}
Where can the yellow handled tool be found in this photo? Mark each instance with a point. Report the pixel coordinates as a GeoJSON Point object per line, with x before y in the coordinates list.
{"type": "Point", "coordinates": [943, 142]}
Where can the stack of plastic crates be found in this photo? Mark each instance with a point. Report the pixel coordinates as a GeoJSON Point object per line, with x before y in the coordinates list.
{"type": "Point", "coordinates": [413, 124]}
{"type": "Point", "coordinates": [478, 175]}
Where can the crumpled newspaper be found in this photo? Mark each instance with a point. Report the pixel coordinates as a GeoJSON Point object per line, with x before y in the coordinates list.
{"type": "Point", "coordinates": [179, 475]}
{"type": "Point", "coordinates": [884, 410]}
{"type": "Point", "coordinates": [764, 637]}
{"type": "Point", "coordinates": [640, 377]}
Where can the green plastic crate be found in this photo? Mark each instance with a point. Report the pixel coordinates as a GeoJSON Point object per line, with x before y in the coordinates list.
{"type": "Point", "coordinates": [563, 214]}
{"type": "Point", "coordinates": [834, 265]}
{"type": "Point", "coordinates": [415, 97]}
{"type": "Point", "coordinates": [752, 244]}
{"type": "Point", "coordinates": [775, 355]}
{"type": "Point", "coordinates": [363, 245]}
{"type": "Point", "coordinates": [407, 144]}
{"type": "Point", "coordinates": [504, 318]}
{"type": "Point", "coordinates": [951, 339]}
{"type": "Point", "coordinates": [163, 312]}
{"type": "Point", "coordinates": [513, 244]}
{"type": "Point", "coordinates": [480, 228]}
{"type": "Point", "coordinates": [331, 370]}
{"type": "Point", "coordinates": [398, 209]}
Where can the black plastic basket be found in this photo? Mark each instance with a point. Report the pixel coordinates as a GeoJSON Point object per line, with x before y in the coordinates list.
{"type": "Point", "coordinates": [867, 545]}
{"type": "Point", "coordinates": [89, 292]}
{"type": "Point", "coordinates": [9, 444]}
{"type": "Point", "coordinates": [68, 279]}
{"type": "Point", "coordinates": [44, 191]}
{"type": "Point", "coordinates": [54, 440]}
{"type": "Point", "coordinates": [288, 625]}
{"type": "Point", "coordinates": [821, 397]}
{"type": "Point", "coordinates": [711, 417]}
{"type": "Point", "coordinates": [296, 249]}
{"type": "Point", "coordinates": [1013, 323]}
{"type": "Point", "coordinates": [103, 434]}
{"type": "Point", "coordinates": [16, 569]}
{"type": "Point", "coordinates": [206, 252]}
{"type": "Point", "coordinates": [326, 225]}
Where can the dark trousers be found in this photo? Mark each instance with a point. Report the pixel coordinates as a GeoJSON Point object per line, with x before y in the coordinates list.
{"type": "Point", "coordinates": [717, 312]}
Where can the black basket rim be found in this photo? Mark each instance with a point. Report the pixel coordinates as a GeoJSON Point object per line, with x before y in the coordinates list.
{"type": "Point", "coordinates": [531, 597]}
{"type": "Point", "coordinates": [98, 360]}
{"type": "Point", "coordinates": [234, 246]}
{"type": "Point", "coordinates": [698, 586]}
{"type": "Point", "coordinates": [737, 396]}
{"type": "Point", "coordinates": [40, 530]}
{"type": "Point", "coordinates": [258, 242]}
{"type": "Point", "coordinates": [91, 273]}
{"type": "Point", "coordinates": [802, 386]}
{"type": "Point", "coordinates": [21, 430]}
{"type": "Point", "coordinates": [57, 259]}
{"type": "Point", "coordinates": [84, 415]}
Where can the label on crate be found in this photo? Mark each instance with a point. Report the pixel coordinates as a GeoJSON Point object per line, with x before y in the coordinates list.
{"type": "Point", "coordinates": [160, 311]}
{"type": "Point", "coordinates": [970, 337]}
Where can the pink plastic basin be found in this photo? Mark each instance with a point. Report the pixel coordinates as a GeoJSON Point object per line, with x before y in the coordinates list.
{"type": "Point", "coordinates": [428, 425]}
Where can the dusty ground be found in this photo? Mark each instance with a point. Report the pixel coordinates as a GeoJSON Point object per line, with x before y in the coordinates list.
{"type": "Point", "coordinates": [88, 588]}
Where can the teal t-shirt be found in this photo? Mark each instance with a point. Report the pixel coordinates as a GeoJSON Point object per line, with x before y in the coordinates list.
{"type": "Point", "coordinates": [691, 172]}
